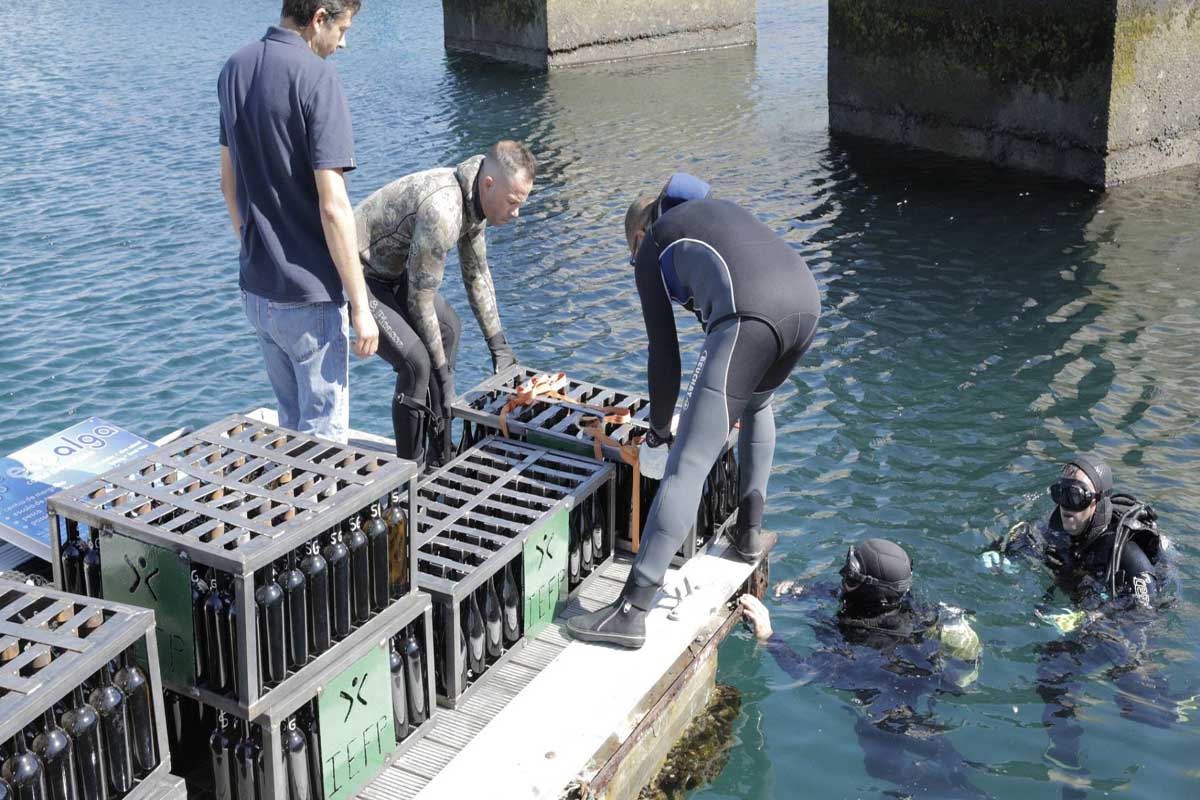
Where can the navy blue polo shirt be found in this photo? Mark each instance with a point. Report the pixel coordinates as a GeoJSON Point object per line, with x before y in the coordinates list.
{"type": "Point", "coordinates": [283, 115]}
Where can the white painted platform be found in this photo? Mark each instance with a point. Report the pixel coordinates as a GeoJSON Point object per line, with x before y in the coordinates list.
{"type": "Point", "coordinates": [536, 724]}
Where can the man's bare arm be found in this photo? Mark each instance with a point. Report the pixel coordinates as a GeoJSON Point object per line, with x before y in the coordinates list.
{"type": "Point", "coordinates": [229, 189]}
{"type": "Point", "coordinates": [341, 236]}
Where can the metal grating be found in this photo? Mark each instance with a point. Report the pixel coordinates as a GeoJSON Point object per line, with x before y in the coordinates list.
{"type": "Point", "coordinates": [482, 515]}
{"type": "Point", "coordinates": [562, 425]}
{"type": "Point", "coordinates": [52, 643]}
{"type": "Point", "coordinates": [230, 491]}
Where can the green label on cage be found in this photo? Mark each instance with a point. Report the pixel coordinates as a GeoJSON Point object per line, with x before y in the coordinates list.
{"type": "Point", "coordinates": [153, 577]}
{"type": "Point", "coordinates": [545, 557]}
{"type": "Point", "coordinates": [357, 731]}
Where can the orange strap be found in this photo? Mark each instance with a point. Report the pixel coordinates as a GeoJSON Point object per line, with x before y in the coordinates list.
{"type": "Point", "coordinates": [630, 454]}
{"type": "Point", "coordinates": [548, 386]}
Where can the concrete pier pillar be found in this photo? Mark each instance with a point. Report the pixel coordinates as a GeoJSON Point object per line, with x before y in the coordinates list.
{"type": "Point", "coordinates": [555, 33]}
{"type": "Point", "coordinates": [1102, 91]}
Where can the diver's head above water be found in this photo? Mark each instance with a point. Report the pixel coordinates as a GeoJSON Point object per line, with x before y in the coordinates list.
{"type": "Point", "coordinates": [646, 210]}
{"type": "Point", "coordinates": [637, 222]}
{"type": "Point", "coordinates": [876, 578]}
{"type": "Point", "coordinates": [1083, 494]}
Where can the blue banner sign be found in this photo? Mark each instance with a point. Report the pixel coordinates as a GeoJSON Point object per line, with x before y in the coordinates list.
{"type": "Point", "coordinates": [34, 473]}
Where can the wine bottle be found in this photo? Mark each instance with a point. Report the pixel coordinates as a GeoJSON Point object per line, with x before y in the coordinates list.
{"type": "Point", "coordinates": [134, 684]}
{"type": "Point", "coordinates": [113, 711]}
{"type": "Point", "coordinates": [216, 639]}
{"type": "Point", "coordinates": [377, 547]}
{"type": "Point", "coordinates": [574, 556]}
{"type": "Point", "coordinates": [272, 660]}
{"type": "Point", "coordinates": [360, 572]}
{"type": "Point", "coordinates": [493, 620]}
{"type": "Point", "coordinates": [220, 750]}
{"type": "Point", "coordinates": [585, 545]}
{"type": "Point", "coordinates": [309, 726]}
{"type": "Point", "coordinates": [229, 629]}
{"type": "Point", "coordinates": [295, 613]}
{"type": "Point", "coordinates": [295, 750]}
{"type": "Point", "coordinates": [73, 553]}
{"type": "Point", "coordinates": [399, 693]}
{"type": "Point", "coordinates": [397, 524]}
{"type": "Point", "coordinates": [24, 771]}
{"type": "Point", "coordinates": [245, 762]}
{"type": "Point", "coordinates": [92, 581]}
{"type": "Point", "coordinates": [54, 747]}
{"type": "Point", "coordinates": [414, 677]}
{"type": "Point", "coordinates": [512, 600]}
{"type": "Point", "coordinates": [316, 577]}
{"type": "Point", "coordinates": [597, 518]}
{"type": "Point", "coordinates": [475, 637]}
{"type": "Point", "coordinates": [82, 724]}
{"type": "Point", "coordinates": [338, 558]}
{"type": "Point", "coordinates": [199, 633]}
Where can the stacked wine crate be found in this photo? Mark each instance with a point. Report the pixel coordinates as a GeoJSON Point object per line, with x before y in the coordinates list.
{"type": "Point", "coordinates": [509, 532]}
{"type": "Point", "coordinates": [568, 425]}
{"type": "Point", "coordinates": [81, 712]}
{"type": "Point", "coordinates": [279, 569]}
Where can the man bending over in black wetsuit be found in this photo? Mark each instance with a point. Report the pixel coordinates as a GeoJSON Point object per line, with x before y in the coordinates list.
{"type": "Point", "coordinates": [759, 307]}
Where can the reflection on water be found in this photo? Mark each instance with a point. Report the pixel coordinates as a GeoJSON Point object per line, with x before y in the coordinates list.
{"type": "Point", "coordinates": [978, 326]}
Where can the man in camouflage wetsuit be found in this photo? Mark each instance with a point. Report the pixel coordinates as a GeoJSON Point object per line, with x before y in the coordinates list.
{"type": "Point", "coordinates": [405, 231]}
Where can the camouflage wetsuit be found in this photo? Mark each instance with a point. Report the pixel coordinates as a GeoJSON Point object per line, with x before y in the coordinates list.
{"type": "Point", "coordinates": [406, 230]}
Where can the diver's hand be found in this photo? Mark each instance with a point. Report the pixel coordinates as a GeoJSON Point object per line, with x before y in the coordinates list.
{"type": "Point", "coordinates": [443, 396]}
{"type": "Point", "coordinates": [789, 588]}
{"type": "Point", "coordinates": [652, 455]}
{"type": "Point", "coordinates": [503, 356]}
{"type": "Point", "coordinates": [755, 614]}
{"type": "Point", "coordinates": [997, 562]}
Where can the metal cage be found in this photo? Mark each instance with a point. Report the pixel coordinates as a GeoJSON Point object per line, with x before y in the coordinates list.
{"type": "Point", "coordinates": [234, 498]}
{"type": "Point", "coordinates": [517, 515]}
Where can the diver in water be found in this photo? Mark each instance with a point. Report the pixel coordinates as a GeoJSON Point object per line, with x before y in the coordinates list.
{"type": "Point", "coordinates": [894, 655]}
{"type": "Point", "coordinates": [1106, 554]}
{"type": "Point", "coordinates": [1099, 545]}
{"type": "Point", "coordinates": [759, 307]}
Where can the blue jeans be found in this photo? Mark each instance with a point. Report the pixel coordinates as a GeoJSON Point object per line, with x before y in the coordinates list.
{"type": "Point", "coordinates": [307, 350]}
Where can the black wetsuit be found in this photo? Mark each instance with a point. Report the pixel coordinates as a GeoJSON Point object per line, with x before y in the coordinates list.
{"type": "Point", "coordinates": [759, 306]}
{"type": "Point", "coordinates": [894, 667]}
{"type": "Point", "coordinates": [1080, 569]}
{"type": "Point", "coordinates": [1114, 637]}
{"type": "Point", "coordinates": [402, 348]}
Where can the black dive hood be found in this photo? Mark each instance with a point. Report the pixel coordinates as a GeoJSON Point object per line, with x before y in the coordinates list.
{"type": "Point", "coordinates": [1100, 475]}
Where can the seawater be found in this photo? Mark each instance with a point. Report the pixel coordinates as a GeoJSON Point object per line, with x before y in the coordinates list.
{"type": "Point", "coordinates": [978, 325]}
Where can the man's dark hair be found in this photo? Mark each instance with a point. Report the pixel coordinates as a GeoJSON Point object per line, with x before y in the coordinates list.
{"type": "Point", "coordinates": [302, 11]}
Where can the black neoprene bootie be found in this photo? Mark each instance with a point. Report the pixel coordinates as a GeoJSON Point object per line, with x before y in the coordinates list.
{"type": "Point", "coordinates": [622, 623]}
{"type": "Point", "coordinates": [747, 537]}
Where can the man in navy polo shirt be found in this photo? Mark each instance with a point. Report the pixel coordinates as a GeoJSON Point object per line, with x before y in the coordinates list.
{"type": "Point", "coordinates": [286, 141]}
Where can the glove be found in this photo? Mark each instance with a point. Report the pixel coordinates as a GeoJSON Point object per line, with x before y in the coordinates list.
{"type": "Point", "coordinates": [503, 356]}
{"type": "Point", "coordinates": [652, 455]}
